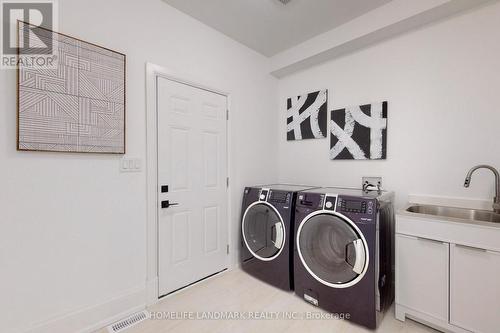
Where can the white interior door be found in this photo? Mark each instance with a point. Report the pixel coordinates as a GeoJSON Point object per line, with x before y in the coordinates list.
{"type": "Point", "coordinates": [192, 159]}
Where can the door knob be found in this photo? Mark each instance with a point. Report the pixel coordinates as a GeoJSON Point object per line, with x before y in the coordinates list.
{"type": "Point", "coordinates": [166, 204]}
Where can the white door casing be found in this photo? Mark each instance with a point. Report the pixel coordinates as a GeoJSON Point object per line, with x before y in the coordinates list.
{"type": "Point", "coordinates": [192, 162]}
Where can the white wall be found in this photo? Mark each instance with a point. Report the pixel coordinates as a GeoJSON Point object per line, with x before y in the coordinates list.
{"type": "Point", "coordinates": [72, 228]}
{"type": "Point", "coordinates": [442, 84]}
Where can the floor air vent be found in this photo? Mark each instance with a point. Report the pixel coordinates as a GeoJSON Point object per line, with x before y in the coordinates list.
{"type": "Point", "coordinates": [130, 321]}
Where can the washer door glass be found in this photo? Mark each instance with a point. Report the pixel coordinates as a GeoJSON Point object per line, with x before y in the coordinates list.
{"type": "Point", "coordinates": [332, 250]}
{"type": "Point", "coordinates": [263, 231]}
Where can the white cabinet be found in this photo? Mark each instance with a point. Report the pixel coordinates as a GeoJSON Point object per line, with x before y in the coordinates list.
{"type": "Point", "coordinates": [422, 275]}
{"type": "Point", "coordinates": [448, 273]}
{"type": "Point", "coordinates": [475, 289]}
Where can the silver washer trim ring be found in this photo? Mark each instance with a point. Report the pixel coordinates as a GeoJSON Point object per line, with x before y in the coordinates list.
{"type": "Point", "coordinates": [355, 227]}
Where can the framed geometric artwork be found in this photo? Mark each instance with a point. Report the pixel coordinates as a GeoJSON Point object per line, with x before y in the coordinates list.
{"type": "Point", "coordinates": [78, 105]}
{"type": "Point", "coordinates": [359, 132]}
{"type": "Point", "coordinates": [307, 116]}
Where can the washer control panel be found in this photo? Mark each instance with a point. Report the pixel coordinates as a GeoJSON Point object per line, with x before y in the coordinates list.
{"type": "Point", "coordinates": [356, 205]}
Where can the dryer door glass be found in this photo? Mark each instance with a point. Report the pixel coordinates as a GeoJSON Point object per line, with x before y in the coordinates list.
{"type": "Point", "coordinates": [331, 249]}
{"type": "Point", "coordinates": [263, 231]}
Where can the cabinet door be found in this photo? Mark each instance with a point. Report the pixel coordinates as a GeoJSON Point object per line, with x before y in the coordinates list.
{"type": "Point", "coordinates": [475, 289]}
{"type": "Point", "coordinates": [422, 275]}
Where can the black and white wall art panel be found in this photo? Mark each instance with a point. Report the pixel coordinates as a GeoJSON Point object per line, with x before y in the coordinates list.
{"type": "Point", "coordinates": [359, 132]}
{"type": "Point", "coordinates": [307, 116]}
{"type": "Point", "coordinates": [77, 106]}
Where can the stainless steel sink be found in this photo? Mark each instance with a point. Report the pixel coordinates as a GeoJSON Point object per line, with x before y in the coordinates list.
{"type": "Point", "coordinates": [458, 213]}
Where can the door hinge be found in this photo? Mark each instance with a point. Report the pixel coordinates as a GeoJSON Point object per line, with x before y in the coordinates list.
{"type": "Point", "coordinates": [227, 182]}
{"type": "Point", "coordinates": [227, 248]}
{"type": "Point", "coordinates": [227, 114]}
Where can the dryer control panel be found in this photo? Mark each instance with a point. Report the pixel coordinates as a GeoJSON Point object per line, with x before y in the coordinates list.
{"type": "Point", "coordinates": [280, 197]}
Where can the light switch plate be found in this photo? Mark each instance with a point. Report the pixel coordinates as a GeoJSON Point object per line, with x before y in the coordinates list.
{"type": "Point", "coordinates": [130, 165]}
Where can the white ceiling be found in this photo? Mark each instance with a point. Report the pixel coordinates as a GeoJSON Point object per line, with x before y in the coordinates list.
{"type": "Point", "coordinates": [270, 27]}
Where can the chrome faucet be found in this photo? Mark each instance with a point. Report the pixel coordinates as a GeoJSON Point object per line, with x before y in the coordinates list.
{"type": "Point", "coordinates": [496, 200]}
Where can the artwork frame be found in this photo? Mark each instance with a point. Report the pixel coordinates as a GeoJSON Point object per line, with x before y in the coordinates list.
{"type": "Point", "coordinates": [307, 116]}
{"type": "Point", "coordinates": [359, 132]}
{"type": "Point", "coordinates": [121, 104]}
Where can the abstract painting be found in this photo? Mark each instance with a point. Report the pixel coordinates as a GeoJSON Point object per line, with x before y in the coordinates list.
{"type": "Point", "coordinates": [78, 106]}
{"type": "Point", "coordinates": [307, 116]}
{"type": "Point", "coordinates": [359, 132]}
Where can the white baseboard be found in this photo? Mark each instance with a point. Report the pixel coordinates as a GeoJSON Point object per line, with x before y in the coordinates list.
{"type": "Point", "coordinates": [95, 317]}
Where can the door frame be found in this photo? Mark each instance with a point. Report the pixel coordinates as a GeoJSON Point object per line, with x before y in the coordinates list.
{"type": "Point", "coordinates": [152, 234]}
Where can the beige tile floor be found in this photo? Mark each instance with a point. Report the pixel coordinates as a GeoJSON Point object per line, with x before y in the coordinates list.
{"type": "Point", "coordinates": [236, 291]}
